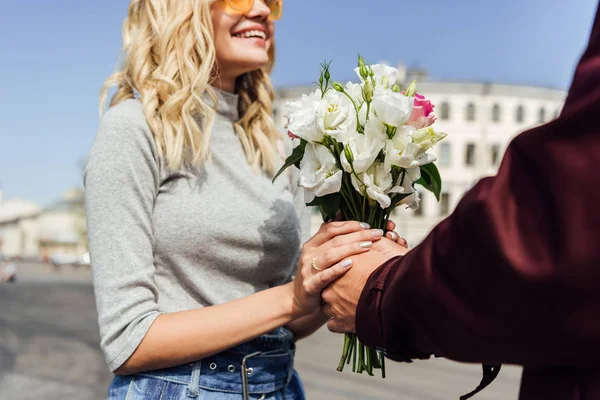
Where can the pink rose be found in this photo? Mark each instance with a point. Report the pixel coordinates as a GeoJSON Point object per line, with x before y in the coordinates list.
{"type": "Point", "coordinates": [422, 113]}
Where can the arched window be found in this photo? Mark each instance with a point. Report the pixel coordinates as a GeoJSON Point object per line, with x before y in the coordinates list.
{"type": "Point", "coordinates": [520, 114]}
{"type": "Point", "coordinates": [445, 111]}
{"type": "Point", "coordinates": [470, 112]}
{"type": "Point", "coordinates": [496, 113]}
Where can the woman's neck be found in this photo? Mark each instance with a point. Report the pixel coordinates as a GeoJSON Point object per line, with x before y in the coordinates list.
{"type": "Point", "coordinates": [225, 84]}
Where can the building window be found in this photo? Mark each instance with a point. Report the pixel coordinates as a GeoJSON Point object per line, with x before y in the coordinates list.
{"type": "Point", "coordinates": [445, 111]}
{"type": "Point", "coordinates": [496, 113]}
{"type": "Point", "coordinates": [444, 204]}
{"type": "Point", "coordinates": [470, 112]}
{"type": "Point", "coordinates": [470, 155]}
{"type": "Point", "coordinates": [419, 212]}
{"type": "Point", "coordinates": [445, 157]}
{"type": "Point", "coordinates": [542, 115]}
{"type": "Point", "coordinates": [520, 114]}
{"type": "Point", "coordinates": [495, 154]}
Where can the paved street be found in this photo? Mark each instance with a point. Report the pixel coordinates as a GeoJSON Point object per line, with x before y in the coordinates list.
{"type": "Point", "coordinates": [49, 350]}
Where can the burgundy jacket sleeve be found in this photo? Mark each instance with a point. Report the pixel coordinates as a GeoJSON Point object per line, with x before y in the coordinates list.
{"type": "Point", "coordinates": [513, 275]}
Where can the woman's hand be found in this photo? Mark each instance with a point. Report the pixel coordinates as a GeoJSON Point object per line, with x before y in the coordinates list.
{"type": "Point", "coordinates": [393, 236]}
{"type": "Point", "coordinates": [325, 257]}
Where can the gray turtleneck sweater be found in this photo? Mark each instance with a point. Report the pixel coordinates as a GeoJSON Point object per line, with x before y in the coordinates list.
{"type": "Point", "coordinates": [165, 241]}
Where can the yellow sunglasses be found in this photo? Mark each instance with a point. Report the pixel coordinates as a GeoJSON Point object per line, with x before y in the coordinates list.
{"type": "Point", "coordinates": [244, 6]}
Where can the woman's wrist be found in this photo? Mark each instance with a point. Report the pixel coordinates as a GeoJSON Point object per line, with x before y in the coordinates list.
{"type": "Point", "coordinates": [294, 309]}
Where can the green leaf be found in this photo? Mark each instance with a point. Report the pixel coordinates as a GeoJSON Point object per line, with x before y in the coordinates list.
{"type": "Point", "coordinates": [328, 205]}
{"type": "Point", "coordinates": [293, 159]}
{"type": "Point", "coordinates": [431, 179]}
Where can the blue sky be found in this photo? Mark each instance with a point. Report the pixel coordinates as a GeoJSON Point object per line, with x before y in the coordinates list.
{"type": "Point", "coordinates": [55, 55]}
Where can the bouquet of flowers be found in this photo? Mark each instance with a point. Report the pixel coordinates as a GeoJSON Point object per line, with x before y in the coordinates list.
{"type": "Point", "coordinates": [363, 148]}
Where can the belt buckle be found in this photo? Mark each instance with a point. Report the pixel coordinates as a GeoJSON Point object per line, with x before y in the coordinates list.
{"type": "Point", "coordinates": [245, 374]}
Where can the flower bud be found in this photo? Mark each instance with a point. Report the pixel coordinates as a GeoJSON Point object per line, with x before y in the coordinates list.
{"type": "Point", "coordinates": [411, 89]}
{"type": "Point", "coordinates": [321, 80]}
{"type": "Point", "coordinates": [396, 88]}
{"type": "Point", "coordinates": [349, 155]}
{"type": "Point", "coordinates": [364, 72]}
{"type": "Point", "coordinates": [337, 87]}
{"type": "Point", "coordinates": [362, 68]}
{"type": "Point", "coordinates": [361, 61]}
{"type": "Point", "coordinates": [367, 92]}
{"type": "Point", "coordinates": [327, 75]}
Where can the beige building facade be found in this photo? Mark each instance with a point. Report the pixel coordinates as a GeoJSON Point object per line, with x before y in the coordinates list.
{"type": "Point", "coordinates": [31, 232]}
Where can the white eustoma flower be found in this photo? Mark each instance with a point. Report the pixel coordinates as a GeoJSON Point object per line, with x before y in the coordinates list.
{"type": "Point", "coordinates": [375, 183]}
{"type": "Point", "coordinates": [405, 186]}
{"type": "Point", "coordinates": [384, 75]}
{"type": "Point", "coordinates": [302, 117]}
{"type": "Point", "coordinates": [402, 152]}
{"type": "Point", "coordinates": [319, 175]}
{"type": "Point", "coordinates": [336, 116]}
{"type": "Point", "coordinates": [365, 148]}
{"type": "Point", "coordinates": [427, 137]}
{"type": "Point", "coordinates": [392, 108]}
{"type": "Point", "coordinates": [355, 91]}
{"type": "Point", "coordinates": [412, 201]}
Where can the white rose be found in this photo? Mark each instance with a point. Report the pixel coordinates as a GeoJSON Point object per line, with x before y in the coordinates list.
{"type": "Point", "coordinates": [365, 148]}
{"type": "Point", "coordinates": [376, 182]}
{"type": "Point", "coordinates": [336, 116]}
{"type": "Point", "coordinates": [319, 175]}
{"type": "Point", "coordinates": [392, 108]}
{"type": "Point", "coordinates": [302, 117]}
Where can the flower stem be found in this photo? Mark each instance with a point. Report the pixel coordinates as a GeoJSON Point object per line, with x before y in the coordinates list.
{"type": "Point", "coordinates": [354, 350]}
{"type": "Point", "coordinates": [361, 358]}
{"type": "Point", "coordinates": [347, 343]}
{"type": "Point", "coordinates": [369, 362]}
{"type": "Point", "coordinates": [352, 344]}
{"type": "Point", "coordinates": [382, 360]}
{"type": "Point", "coordinates": [359, 128]}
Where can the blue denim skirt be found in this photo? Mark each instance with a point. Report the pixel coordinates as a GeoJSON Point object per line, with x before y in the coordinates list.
{"type": "Point", "coordinates": [267, 362]}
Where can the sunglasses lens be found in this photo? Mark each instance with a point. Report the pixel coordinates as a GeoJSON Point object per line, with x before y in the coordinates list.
{"type": "Point", "coordinates": [240, 5]}
{"type": "Point", "coordinates": [276, 7]}
{"type": "Point", "coordinates": [244, 6]}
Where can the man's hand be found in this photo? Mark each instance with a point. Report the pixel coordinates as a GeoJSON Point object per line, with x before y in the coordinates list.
{"type": "Point", "coordinates": [341, 297]}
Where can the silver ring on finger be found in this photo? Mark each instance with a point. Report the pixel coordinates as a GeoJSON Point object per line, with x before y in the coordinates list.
{"type": "Point", "coordinates": [314, 266]}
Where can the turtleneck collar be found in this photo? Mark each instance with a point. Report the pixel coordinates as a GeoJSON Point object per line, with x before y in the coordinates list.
{"type": "Point", "coordinates": [227, 104]}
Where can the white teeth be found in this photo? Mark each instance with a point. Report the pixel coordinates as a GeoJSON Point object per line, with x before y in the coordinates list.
{"type": "Point", "coordinates": [249, 34]}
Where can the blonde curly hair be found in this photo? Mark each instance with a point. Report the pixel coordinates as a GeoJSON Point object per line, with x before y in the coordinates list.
{"type": "Point", "coordinates": [168, 63]}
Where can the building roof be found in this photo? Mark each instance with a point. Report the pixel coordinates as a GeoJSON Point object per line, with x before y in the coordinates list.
{"type": "Point", "coordinates": [448, 87]}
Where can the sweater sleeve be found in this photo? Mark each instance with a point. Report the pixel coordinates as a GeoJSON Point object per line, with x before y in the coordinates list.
{"type": "Point", "coordinates": [121, 184]}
